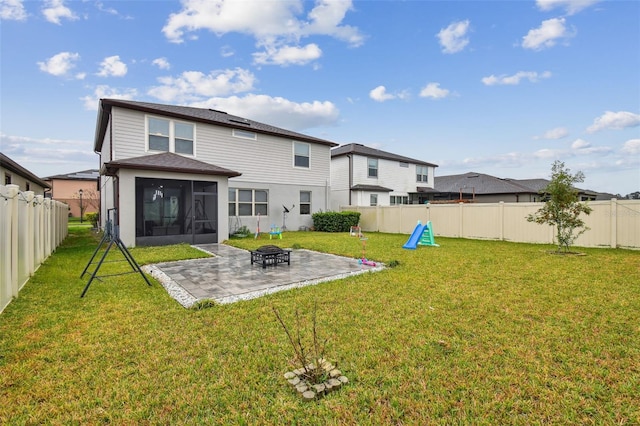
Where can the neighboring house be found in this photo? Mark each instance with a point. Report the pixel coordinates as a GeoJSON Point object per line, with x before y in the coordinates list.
{"type": "Point", "coordinates": [183, 174]}
{"type": "Point", "coordinates": [483, 188]}
{"type": "Point", "coordinates": [364, 176]}
{"type": "Point", "coordinates": [68, 189]}
{"type": "Point", "coordinates": [12, 173]}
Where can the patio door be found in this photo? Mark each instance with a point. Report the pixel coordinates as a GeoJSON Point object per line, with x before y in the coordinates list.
{"type": "Point", "coordinates": [205, 212]}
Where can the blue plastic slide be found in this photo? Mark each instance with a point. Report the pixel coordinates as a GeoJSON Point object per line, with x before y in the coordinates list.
{"type": "Point", "coordinates": [412, 243]}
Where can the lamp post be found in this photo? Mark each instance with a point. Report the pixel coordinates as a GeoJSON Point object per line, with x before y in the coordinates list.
{"type": "Point", "coordinates": [80, 192]}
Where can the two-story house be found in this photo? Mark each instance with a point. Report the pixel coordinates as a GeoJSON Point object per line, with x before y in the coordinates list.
{"type": "Point", "coordinates": [184, 174]}
{"type": "Point", "coordinates": [364, 176]}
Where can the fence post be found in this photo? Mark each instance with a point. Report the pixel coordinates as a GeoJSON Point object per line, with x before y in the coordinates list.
{"type": "Point", "coordinates": [501, 208]}
{"type": "Point", "coordinates": [461, 221]}
{"type": "Point", "coordinates": [13, 193]}
{"type": "Point", "coordinates": [613, 213]}
{"type": "Point", "coordinates": [30, 249]}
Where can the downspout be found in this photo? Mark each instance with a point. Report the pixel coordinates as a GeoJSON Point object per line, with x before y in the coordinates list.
{"type": "Point", "coordinates": [350, 157]}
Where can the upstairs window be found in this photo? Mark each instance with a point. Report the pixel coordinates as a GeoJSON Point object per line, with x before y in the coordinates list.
{"type": "Point", "coordinates": [372, 166]}
{"type": "Point", "coordinates": [301, 154]}
{"type": "Point", "coordinates": [158, 134]}
{"type": "Point", "coordinates": [184, 138]}
{"type": "Point", "coordinates": [170, 136]}
{"type": "Point", "coordinates": [422, 174]}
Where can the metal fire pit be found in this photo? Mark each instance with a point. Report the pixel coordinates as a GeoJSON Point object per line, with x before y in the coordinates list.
{"type": "Point", "coordinates": [270, 255]}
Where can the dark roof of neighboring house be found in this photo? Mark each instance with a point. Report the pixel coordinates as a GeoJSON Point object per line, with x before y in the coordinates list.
{"type": "Point", "coordinates": [356, 148]}
{"type": "Point", "coordinates": [16, 168]}
{"type": "Point", "coordinates": [202, 115]}
{"type": "Point", "coordinates": [168, 162]}
{"type": "Point", "coordinates": [371, 188]}
{"type": "Point", "coordinates": [480, 183]}
{"type": "Point", "coordinates": [91, 174]}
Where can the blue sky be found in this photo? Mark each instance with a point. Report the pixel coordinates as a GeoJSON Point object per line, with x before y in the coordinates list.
{"type": "Point", "coordinates": [497, 87]}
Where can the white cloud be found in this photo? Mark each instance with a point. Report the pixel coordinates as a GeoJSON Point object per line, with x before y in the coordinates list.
{"type": "Point", "coordinates": [557, 133]}
{"type": "Point", "coordinates": [580, 144]}
{"type": "Point", "coordinates": [276, 110]}
{"type": "Point", "coordinates": [632, 146]}
{"type": "Point", "coordinates": [55, 10]}
{"type": "Point", "coordinates": [227, 51]}
{"type": "Point", "coordinates": [12, 10]}
{"type": "Point", "coordinates": [546, 36]}
{"type": "Point", "coordinates": [274, 24]}
{"type": "Point", "coordinates": [379, 94]}
{"type": "Point", "coordinates": [287, 55]}
{"type": "Point", "coordinates": [434, 91]}
{"type": "Point", "coordinates": [60, 64]}
{"type": "Point", "coordinates": [453, 38]}
{"type": "Point", "coordinates": [570, 6]}
{"type": "Point", "coordinates": [43, 156]}
{"type": "Point", "coordinates": [503, 79]}
{"type": "Point", "coordinates": [614, 120]}
{"type": "Point", "coordinates": [193, 86]}
{"type": "Point", "coordinates": [161, 63]}
{"type": "Point", "coordinates": [112, 66]}
{"type": "Point", "coordinates": [103, 91]}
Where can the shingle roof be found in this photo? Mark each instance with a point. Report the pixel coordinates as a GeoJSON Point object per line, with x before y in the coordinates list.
{"type": "Point", "coordinates": [16, 168]}
{"type": "Point", "coordinates": [91, 174]}
{"type": "Point", "coordinates": [378, 188]}
{"type": "Point", "coordinates": [202, 115]}
{"type": "Point", "coordinates": [479, 183]}
{"type": "Point", "coordinates": [356, 148]}
{"type": "Point", "coordinates": [169, 162]}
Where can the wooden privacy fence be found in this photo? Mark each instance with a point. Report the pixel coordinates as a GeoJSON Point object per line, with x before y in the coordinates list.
{"type": "Point", "coordinates": [614, 223]}
{"type": "Point", "coordinates": [31, 227]}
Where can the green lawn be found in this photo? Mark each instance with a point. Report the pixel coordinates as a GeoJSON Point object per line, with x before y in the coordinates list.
{"type": "Point", "coordinates": [471, 332]}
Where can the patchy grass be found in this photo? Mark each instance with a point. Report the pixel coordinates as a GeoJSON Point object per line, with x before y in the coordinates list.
{"type": "Point", "coordinates": [471, 332]}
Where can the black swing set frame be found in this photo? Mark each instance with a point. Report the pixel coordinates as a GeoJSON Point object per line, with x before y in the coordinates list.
{"type": "Point", "coordinates": [112, 237]}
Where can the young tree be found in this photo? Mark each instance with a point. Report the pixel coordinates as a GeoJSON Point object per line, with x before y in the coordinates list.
{"type": "Point", "coordinates": [562, 208]}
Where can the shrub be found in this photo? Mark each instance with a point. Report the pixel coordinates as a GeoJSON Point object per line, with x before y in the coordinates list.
{"type": "Point", "coordinates": [335, 221]}
{"type": "Point", "coordinates": [93, 218]}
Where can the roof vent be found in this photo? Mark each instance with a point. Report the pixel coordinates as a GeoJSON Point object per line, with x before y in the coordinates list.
{"type": "Point", "coordinates": [243, 121]}
{"type": "Point", "coordinates": [215, 110]}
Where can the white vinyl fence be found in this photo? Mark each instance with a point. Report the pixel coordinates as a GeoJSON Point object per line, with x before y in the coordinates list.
{"type": "Point", "coordinates": [31, 227]}
{"type": "Point", "coordinates": [614, 223]}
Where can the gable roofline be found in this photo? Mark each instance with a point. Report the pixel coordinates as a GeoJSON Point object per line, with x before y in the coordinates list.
{"type": "Point", "coordinates": [91, 174]}
{"type": "Point", "coordinates": [200, 115]}
{"type": "Point", "coordinates": [16, 168]}
{"type": "Point", "coordinates": [356, 148]}
{"type": "Point", "coordinates": [483, 184]}
{"type": "Point", "coordinates": [167, 162]}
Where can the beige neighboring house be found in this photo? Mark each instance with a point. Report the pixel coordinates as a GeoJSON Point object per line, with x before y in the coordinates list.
{"type": "Point", "coordinates": [67, 188]}
{"type": "Point", "coordinates": [12, 173]}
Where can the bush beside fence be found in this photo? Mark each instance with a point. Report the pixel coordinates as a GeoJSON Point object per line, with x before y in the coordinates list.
{"type": "Point", "coordinates": [614, 223]}
{"type": "Point", "coordinates": [31, 227]}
